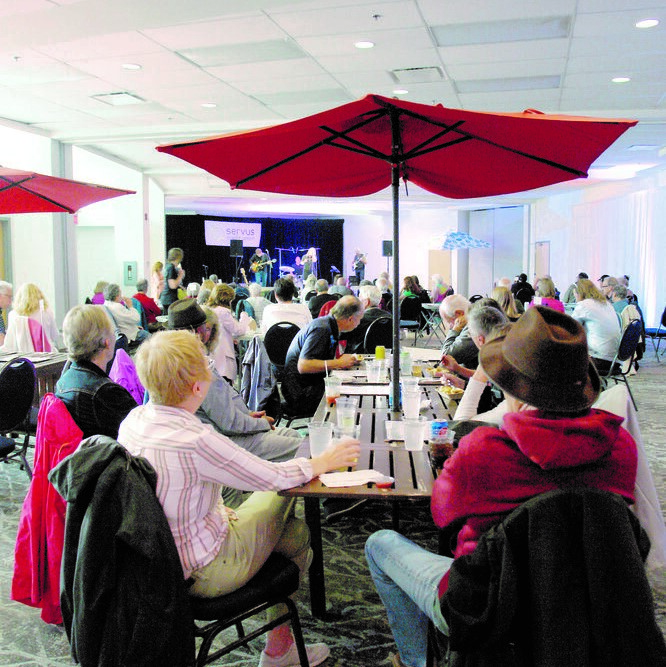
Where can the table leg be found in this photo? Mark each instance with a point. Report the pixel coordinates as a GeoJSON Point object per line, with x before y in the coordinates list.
{"type": "Point", "coordinates": [316, 573]}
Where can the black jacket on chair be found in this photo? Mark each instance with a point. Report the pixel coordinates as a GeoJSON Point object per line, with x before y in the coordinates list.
{"type": "Point", "coordinates": [559, 583]}
{"type": "Point", "coordinates": [123, 596]}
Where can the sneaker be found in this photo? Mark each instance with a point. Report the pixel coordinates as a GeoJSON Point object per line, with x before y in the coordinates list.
{"type": "Point", "coordinates": [335, 508]}
{"type": "Point", "coordinates": [317, 653]}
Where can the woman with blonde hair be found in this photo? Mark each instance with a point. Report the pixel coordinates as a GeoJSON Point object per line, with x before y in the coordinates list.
{"type": "Point", "coordinates": [98, 292]}
{"type": "Point", "coordinates": [546, 295]}
{"type": "Point", "coordinates": [224, 354]}
{"type": "Point", "coordinates": [600, 322]}
{"type": "Point", "coordinates": [156, 282]}
{"type": "Point", "coordinates": [506, 301]}
{"type": "Point", "coordinates": [31, 325]}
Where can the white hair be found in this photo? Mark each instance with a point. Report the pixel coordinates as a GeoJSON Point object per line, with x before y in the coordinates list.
{"type": "Point", "coordinates": [371, 293]}
{"type": "Point", "coordinates": [255, 289]}
{"type": "Point", "coordinates": [453, 303]}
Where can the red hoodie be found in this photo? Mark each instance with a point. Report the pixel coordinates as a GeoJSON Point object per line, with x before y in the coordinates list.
{"type": "Point", "coordinates": [494, 471]}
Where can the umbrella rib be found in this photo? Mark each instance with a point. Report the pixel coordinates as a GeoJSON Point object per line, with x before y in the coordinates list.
{"type": "Point", "coordinates": [14, 184]}
{"type": "Point", "coordinates": [17, 184]}
{"type": "Point", "coordinates": [327, 141]}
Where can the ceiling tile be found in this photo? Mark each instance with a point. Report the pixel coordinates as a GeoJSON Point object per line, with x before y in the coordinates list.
{"type": "Point", "coordinates": [90, 48]}
{"type": "Point", "coordinates": [501, 69]}
{"type": "Point", "coordinates": [511, 51]}
{"type": "Point", "coordinates": [437, 12]}
{"type": "Point", "coordinates": [279, 69]}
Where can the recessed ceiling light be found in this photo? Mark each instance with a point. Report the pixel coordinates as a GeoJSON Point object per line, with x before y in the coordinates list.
{"type": "Point", "coordinates": [364, 44]}
{"type": "Point", "coordinates": [131, 66]}
{"type": "Point", "coordinates": [209, 105]}
{"type": "Point", "coordinates": [400, 91]}
{"type": "Point", "coordinates": [621, 79]}
{"type": "Point", "coordinates": [647, 23]}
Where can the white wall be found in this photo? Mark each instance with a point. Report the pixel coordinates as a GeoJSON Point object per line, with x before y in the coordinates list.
{"type": "Point", "coordinates": [615, 229]}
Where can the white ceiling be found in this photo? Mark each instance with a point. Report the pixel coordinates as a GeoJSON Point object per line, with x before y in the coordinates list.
{"type": "Point", "coordinates": [266, 61]}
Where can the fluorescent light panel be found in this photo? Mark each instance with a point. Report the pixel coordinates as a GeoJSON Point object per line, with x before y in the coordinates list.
{"type": "Point", "coordinates": [119, 99]}
{"type": "Point", "coordinates": [241, 54]}
{"type": "Point", "coordinates": [492, 32]}
{"type": "Point", "coordinates": [500, 85]}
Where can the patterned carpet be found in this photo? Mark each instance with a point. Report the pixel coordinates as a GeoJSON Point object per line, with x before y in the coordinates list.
{"type": "Point", "coordinates": [356, 631]}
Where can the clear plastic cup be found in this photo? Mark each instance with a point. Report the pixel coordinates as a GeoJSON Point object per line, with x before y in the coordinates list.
{"type": "Point", "coordinates": [375, 368]}
{"type": "Point", "coordinates": [411, 403]}
{"type": "Point", "coordinates": [333, 386]}
{"type": "Point", "coordinates": [321, 435]}
{"type": "Point", "coordinates": [414, 430]}
{"type": "Point", "coordinates": [346, 413]}
{"type": "Point", "coordinates": [409, 382]}
{"type": "Point", "coordinates": [417, 369]}
{"type": "Point", "coordinates": [405, 363]}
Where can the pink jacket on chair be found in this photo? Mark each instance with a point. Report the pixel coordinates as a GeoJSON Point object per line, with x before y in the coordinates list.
{"type": "Point", "coordinates": [39, 541]}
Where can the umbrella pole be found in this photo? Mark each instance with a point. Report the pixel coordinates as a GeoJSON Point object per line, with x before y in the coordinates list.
{"type": "Point", "coordinates": [395, 373]}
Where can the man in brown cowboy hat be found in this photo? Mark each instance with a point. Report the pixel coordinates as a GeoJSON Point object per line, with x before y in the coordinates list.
{"type": "Point", "coordinates": [550, 438]}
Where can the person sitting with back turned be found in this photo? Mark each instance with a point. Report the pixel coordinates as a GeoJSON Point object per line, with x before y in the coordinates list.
{"type": "Point", "coordinates": [96, 404]}
{"type": "Point", "coordinates": [322, 296]}
{"type": "Point", "coordinates": [6, 295]}
{"type": "Point", "coordinates": [257, 301]}
{"type": "Point", "coordinates": [315, 350]}
{"type": "Point", "coordinates": [285, 310]}
{"type": "Point", "coordinates": [560, 443]}
{"type": "Point", "coordinates": [458, 343]}
{"type": "Point", "coordinates": [124, 315]}
{"type": "Point", "coordinates": [369, 296]}
{"type": "Point", "coordinates": [219, 549]}
{"type": "Point", "coordinates": [150, 308]}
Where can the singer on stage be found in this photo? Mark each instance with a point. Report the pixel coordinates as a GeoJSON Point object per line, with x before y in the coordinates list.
{"type": "Point", "coordinates": [260, 265]}
{"type": "Point", "coordinates": [358, 264]}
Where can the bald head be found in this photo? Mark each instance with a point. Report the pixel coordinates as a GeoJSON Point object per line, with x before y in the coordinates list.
{"type": "Point", "coordinates": [347, 312]}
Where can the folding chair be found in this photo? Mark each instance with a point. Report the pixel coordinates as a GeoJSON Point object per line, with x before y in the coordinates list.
{"type": "Point", "coordinates": [657, 334]}
{"type": "Point", "coordinates": [626, 351]}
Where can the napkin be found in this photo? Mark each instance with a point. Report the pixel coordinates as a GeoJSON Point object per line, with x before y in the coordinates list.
{"type": "Point", "coordinates": [355, 478]}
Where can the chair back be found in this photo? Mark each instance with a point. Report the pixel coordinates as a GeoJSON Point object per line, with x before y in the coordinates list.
{"type": "Point", "coordinates": [278, 339]}
{"type": "Point", "coordinates": [40, 342]}
{"type": "Point", "coordinates": [629, 340]}
{"type": "Point", "coordinates": [380, 332]}
{"type": "Point", "coordinates": [410, 309]}
{"type": "Point", "coordinates": [327, 307]}
{"type": "Point", "coordinates": [143, 321]}
{"type": "Point", "coordinates": [18, 380]}
{"type": "Point", "coordinates": [243, 306]}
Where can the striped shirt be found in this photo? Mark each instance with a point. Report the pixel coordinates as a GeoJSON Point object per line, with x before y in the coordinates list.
{"type": "Point", "coordinates": [193, 462]}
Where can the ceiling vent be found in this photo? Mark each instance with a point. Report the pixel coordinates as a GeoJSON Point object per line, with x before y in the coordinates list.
{"type": "Point", "coordinates": [119, 99]}
{"type": "Point", "coordinates": [418, 75]}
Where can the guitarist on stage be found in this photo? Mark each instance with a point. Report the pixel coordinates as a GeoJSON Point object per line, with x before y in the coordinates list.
{"type": "Point", "coordinates": [358, 264]}
{"type": "Point", "coordinates": [260, 265]}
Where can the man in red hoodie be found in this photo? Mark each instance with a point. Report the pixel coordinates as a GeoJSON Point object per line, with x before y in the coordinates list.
{"type": "Point", "coordinates": [549, 439]}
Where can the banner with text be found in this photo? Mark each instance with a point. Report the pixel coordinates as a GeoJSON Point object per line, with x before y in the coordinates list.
{"type": "Point", "coordinates": [221, 232]}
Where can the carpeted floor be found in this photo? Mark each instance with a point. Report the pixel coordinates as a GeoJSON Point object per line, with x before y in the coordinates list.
{"type": "Point", "coordinates": [356, 631]}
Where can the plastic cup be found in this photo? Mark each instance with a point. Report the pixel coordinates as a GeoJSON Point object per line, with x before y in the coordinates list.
{"type": "Point", "coordinates": [375, 368]}
{"type": "Point", "coordinates": [411, 403]}
{"type": "Point", "coordinates": [409, 383]}
{"type": "Point", "coordinates": [414, 429]}
{"type": "Point", "coordinates": [346, 412]}
{"type": "Point", "coordinates": [417, 369]}
{"type": "Point", "coordinates": [333, 386]}
{"type": "Point", "coordinates": [380, 352]}
{"type": "Point", "coordinates": [405, 363]}
{"type": "Point", "coordinates": [321, 435]}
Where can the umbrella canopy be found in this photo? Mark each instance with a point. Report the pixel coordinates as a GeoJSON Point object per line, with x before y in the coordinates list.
{"type": "Point", "coordinates": [362, 147]}
{"type": "Point", "coordinates": [30, 192]}
{"type": "Point", "coordinates": [462, 241]}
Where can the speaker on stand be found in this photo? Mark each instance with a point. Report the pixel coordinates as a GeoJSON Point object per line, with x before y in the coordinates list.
{"type": "Point", "coordinates": [387, 251]}
{"type": "Point", "coordinates": [236, 251]}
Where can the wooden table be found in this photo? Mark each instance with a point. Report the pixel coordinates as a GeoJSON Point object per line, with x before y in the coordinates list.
{"type": "Point", "coordinates": [48, 366]}
{"type": "Point", "coordinates": [412, 471]}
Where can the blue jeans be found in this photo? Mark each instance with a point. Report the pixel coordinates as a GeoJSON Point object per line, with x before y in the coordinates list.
{"type": "Point", "coordinates": [407, 578]}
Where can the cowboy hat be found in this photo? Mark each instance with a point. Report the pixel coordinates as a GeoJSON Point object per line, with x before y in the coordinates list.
{"type": "Point", "coordinates": [543, 360]}
{"type": "Point", "coordinates": [185, 314]}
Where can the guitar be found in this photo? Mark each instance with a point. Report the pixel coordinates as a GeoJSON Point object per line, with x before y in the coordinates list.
{"type": "Point", "coordinates": [359, 262]}
{"type": "Point", "coordinates": [244, 277]}
{"type": "Point", "coordinates": [257, 266]}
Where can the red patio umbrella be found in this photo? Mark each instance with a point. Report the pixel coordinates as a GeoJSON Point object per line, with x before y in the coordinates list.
{"type": "Point", "coordinates": [30, 192]}
{"type": "Point", "coordinates": [364, 146]}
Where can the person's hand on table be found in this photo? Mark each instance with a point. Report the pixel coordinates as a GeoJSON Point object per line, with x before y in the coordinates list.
{"type": "Point", "coordinates": [346, 361]}
{"type": "Point", "coordinates": [343, 454]}
{"type": "Point", "coordinates": [449, 363]}
{"type": "Point", "coordinates": [453, 380]}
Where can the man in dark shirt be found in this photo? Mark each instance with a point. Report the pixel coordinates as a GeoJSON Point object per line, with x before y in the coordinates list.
{"type": "Point", "coordinates": [314, 351]}
{"type": "Point", "coordinates": [322, 296]}
{"type": "Point", "coordinates": [369, 297]}
{"type": "Point", "coordinates": [96, 403]}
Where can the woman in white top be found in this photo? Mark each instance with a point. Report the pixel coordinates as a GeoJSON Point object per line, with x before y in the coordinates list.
{"type": "Point", "coordinates": [600, 321]}
{"type": "Point", "coordinates": [230, 328]}
{"type": "Point", "coordinates": [30, 309]}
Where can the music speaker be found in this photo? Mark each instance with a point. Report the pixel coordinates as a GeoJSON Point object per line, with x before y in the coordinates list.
{"type": "Point", "coordinates": [387, 248]}
{"type": "Point", "coordinates": [236, 248]}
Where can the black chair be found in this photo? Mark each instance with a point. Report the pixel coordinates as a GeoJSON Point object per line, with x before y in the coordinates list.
{"type": "Point", "coordinates": [536, 590]}
{"type": "Point", "coordinates": [18, 381]}
{"type": "Point", "coordinates": [475, 297]}
{"type": "Point", "coordinates": [274, 583]}
{"type": "Point", "coordinates": [657, 334]}
{"type": "Point", "coordinates": [277, 341]}
{"type": "Point", "coordinates": [380, 332]}
{"type": "Point", "coordinates": [626, 352]}
{"type": "Point", "coordinates": [410, 315]}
